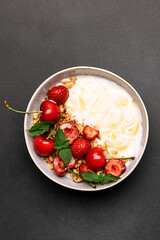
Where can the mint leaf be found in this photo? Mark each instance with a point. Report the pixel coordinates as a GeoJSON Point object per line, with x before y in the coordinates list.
{"type": "Point", "coordinates": [101, 177]}
{"type": "Point", "coordinates": [57, 147]}
{"type": "Point", "coordinates": [39, 128]}
{"type": "Point", "coordinates": [64, 145]}
{"type": "Point", "coordinates": [93, 177]}
{"type": "Point", "coordinates": [60, 138]}
{"type": "Point", "coordinates": [90, 176]}
{"type": "Point", "coordinates": [109, 178]}
{"type": "Point", "coordinates": [66, 155]}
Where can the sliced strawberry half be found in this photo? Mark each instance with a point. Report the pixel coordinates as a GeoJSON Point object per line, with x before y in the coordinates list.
{"type": "Point", "coordinates": [70, 130]}
{"type": "Point", "coordinates": [84, 167]}
{"type": "Point", "coordinates": [58, 94]}
{"type": "Point", "coordinates": [115, 167]}
{"type": "Point", "coordinates": [59, 166]}
{"type": "Point", "coordinates": [90, 133]}
{"type": "Point", "coordinates": [80, 147]}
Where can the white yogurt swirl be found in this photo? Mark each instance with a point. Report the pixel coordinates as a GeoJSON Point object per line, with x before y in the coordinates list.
{"type": "Point", "coordinates": [110, 108]}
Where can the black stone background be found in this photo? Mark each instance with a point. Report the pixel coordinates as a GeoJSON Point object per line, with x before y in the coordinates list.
{"type": "Point", "coordinates": [39, 38]}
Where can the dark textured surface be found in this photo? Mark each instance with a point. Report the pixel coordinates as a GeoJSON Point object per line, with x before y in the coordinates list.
{"type": "Point", "coordinates": [39, 38]}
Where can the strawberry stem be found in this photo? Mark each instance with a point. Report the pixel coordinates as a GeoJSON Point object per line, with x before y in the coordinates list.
{"type": "Point", "coordinates": [17, 111]}
{"type": "Point", "coordinates": [55, 126]}
{"type": "Point", "coordinates": [132, 158]}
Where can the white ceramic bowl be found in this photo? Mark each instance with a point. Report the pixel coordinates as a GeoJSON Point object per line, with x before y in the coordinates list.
{"type": "Point", "coordinates": [35, 102]}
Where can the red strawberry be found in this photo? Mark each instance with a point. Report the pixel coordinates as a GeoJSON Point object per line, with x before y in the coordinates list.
{"type": "Point", "coordinates": [90, 133]}
{"type": "Point", "coordinates": [59, 166]}
{"type": "Point", "coordinates": [80, 147]}
{"type": "Point", "coordinates": [70, 130]}
{"type": "Point", "coordinates": [58, 94]}
{"type": "Point", "coordinates": [72, 163]}
{"type": "Point", "coordinates": [115, 167]}
{"type": "Point", "coordinates": [95, 159]}
{"type": "Point", "coordinates": [84, 167]}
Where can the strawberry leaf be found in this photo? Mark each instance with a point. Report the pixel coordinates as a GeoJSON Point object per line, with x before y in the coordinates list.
{"type": "Point", "coordinates": [39, 128]}
{"type": "Point", "coordinates": [93, 177]}
{"type": "Point", "coordinates": [66, 155]}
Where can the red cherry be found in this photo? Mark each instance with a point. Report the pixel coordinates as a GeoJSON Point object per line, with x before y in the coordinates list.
{"type": "Point", "coordinates": [70, 130]}
{"type": "Point", "coordinates": [95, 159]}
{"type": "Point", "coordinates": [51, 111]}
{"type": "Point", "coordinates": [43, 146]}
{"type": "Point", "coordinates": [59, 166]}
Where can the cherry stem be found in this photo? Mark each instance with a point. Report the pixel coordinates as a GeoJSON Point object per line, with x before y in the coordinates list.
{"type": "Point", "coordinates": [17, 111]}
{"type": "Point", "coordinates": [55, 126]}
{"type": "Point", "coordinates": [69, 170]}
{"type": "Point", "coordinates": [132, 158]}
{"type": "Point", "coordinates": [90, 183]}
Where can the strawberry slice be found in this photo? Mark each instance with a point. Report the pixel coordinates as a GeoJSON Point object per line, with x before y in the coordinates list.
{"type": "Point", "coordinates": [59, 166]}
{"type": "Point", "coordinates": [115, 167]}
{"type": "Point", "coordinates": [58, 94]}
{"type": "Point", "coordinates": [70, 130]}
{"type": "Point", "coordinates": [84, 167]}
{"type": "Point", "coordinates": [80, 147]}
{"type": "Point", "coordinates": [90, 133]}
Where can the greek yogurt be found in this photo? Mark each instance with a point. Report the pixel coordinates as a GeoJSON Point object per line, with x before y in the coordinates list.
{"type": "Point", "coordinates": [105, 105]}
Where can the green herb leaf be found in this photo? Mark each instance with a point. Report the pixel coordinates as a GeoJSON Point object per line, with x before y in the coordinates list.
{"type": "Point", "coordinates": [101, 177]}
{"type": "Point", "coordinates": [55, 126]}
{"type": "Point", "coordinates": [39, 128]}
{"type": "Point", "coordinates": [93, 177]}
{"type": "Point", "coordinates": [109, 178]}
{"type": "Point", "coordinates": [64, 145]}
{"type": "Point", "coordinates": [60, 138]}
{"type": "Point", "coordinates": [90, 176]}
{"type": "Point", "coordinates": [66, 155]}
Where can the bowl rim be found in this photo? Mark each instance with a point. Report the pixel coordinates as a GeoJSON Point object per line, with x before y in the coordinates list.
{"type": "Point", "coordinates": [114, 75]}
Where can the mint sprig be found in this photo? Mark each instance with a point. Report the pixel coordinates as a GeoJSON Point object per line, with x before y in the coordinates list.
{"type": "Point", "coordinates": [61, 143]}
{"type": "Point", "coordinates": [93, 177]}
{"type": "Point", "coordinates": [60, 140]}
{"type": "Point", "coordinates": [66, 155]}
{"type": "Point", "coordinates": [39, 128]}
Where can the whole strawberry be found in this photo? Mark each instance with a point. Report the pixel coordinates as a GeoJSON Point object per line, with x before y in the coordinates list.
{"type": "Point", "coordinates": [58, 94]}
{"type": "Point", "coordinates": [80, 147]}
